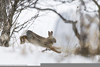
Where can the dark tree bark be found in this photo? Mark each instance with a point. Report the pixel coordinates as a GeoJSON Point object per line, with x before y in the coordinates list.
{"type": "Point", "coordinates": [7, 21]}
{"type": "Point", "coordinates": [6, 26]}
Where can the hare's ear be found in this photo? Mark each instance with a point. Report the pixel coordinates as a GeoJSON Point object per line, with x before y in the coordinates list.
{"type": "Point", "coordinates": [51, 33]}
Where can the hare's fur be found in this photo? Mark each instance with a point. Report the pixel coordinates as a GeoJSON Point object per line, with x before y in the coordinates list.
{"type": "Point", "coordinates": [35, 39]}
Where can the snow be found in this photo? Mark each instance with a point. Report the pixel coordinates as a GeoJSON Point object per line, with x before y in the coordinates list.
{"type": "Point", "coordinates": [29, 54]}
{"type": "Point", "coordinates": [8, 56]}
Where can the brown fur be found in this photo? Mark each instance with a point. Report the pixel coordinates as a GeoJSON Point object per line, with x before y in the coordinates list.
{"type": "Point", "coordinates": [22, 39]}
{"type": "Point", "coordinates": [35, 39]}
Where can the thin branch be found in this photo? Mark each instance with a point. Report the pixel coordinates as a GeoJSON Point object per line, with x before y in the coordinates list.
{"type": "Point", "coordinates": [20, 29]}
{"type": "Point", "coordinates": [27, 21]}
{"type": "Point", "coordinates": [16, 18]}
{"type": "Point", "coordinates": [35, 3]}
{"type": "Point", "coordinates": [24, 24]}
{"type": "Point", "coordinates": [98, 11]}
{"type": "Point", "coordinates": [75, 30]}
{"type": "Point", "coordinates": [96, 3]}
{"type": "Point", "coordinates": [90, 11]}
{"type": "Point", "coordinates": [15, 24]}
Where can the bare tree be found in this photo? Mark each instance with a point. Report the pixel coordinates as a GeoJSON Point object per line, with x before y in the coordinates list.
{"type": "Point", "coordinates": [10, 8]}
{"type": "Point", "coordinates": [85, 40]}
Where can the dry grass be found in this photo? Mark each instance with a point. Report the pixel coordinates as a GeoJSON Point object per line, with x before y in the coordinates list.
{"type": "Point", "coordinates": [23, 50]}
{"type": "Point", "coordinates": [87, 50]}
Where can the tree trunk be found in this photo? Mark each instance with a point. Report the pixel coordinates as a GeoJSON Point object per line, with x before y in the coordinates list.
{"type": "Point", "coordinates": [99, 23]}
{"type": "Point", "coordinates": [7, 21]}
{"type": "Point", "coordinates": [5, 35]}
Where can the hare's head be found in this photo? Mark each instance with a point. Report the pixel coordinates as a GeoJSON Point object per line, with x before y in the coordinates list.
{"type": "Point", "coordinates": [51, 39]}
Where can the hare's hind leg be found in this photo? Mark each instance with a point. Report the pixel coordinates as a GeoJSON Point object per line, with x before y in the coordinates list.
{"type": "Point", "coordinates": [22, 39]}
{"type": "Point", "coordinates": [30, 35]}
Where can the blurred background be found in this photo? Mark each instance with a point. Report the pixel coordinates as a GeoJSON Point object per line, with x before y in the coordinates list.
{"type": "Point", "coordinates": [75, 25]}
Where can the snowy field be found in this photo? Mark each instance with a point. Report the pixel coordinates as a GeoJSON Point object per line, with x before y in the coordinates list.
{"type": "Point", "coordinates": [28, 54]}
{"type": "Point", "coordinates": [31, 55]}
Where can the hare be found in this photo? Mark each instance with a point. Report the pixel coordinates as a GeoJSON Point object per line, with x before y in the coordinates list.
{"type": "Point", "coordinates": [35, 39]}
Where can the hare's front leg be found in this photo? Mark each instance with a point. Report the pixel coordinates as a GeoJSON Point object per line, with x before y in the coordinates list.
{"type": "Point", "coordinates": [45, 50]}
{"type": "Point", "coordinates": [56, 47]}
{"type": "Point", "coordinates": [53, 49]}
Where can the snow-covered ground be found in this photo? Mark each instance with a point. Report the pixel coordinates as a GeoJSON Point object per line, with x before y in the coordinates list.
{"type": "Point", "coordinates": [31, 55]}
{"type": "Point", "coordinates": [28, 54]}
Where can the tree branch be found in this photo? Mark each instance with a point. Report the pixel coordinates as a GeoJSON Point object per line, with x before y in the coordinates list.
{"type": "Point", "coordinates": [48, 9]}
{"type": "Point", "coordinates": [96, 3]}
{"type": "Point", "coordinates": [65, 20]}
{"type": "Point", "coordinates": [98, 11]}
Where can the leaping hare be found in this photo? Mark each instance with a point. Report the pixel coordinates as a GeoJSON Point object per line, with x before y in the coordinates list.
{"type": "Point", "coordinates": [35, 39]}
